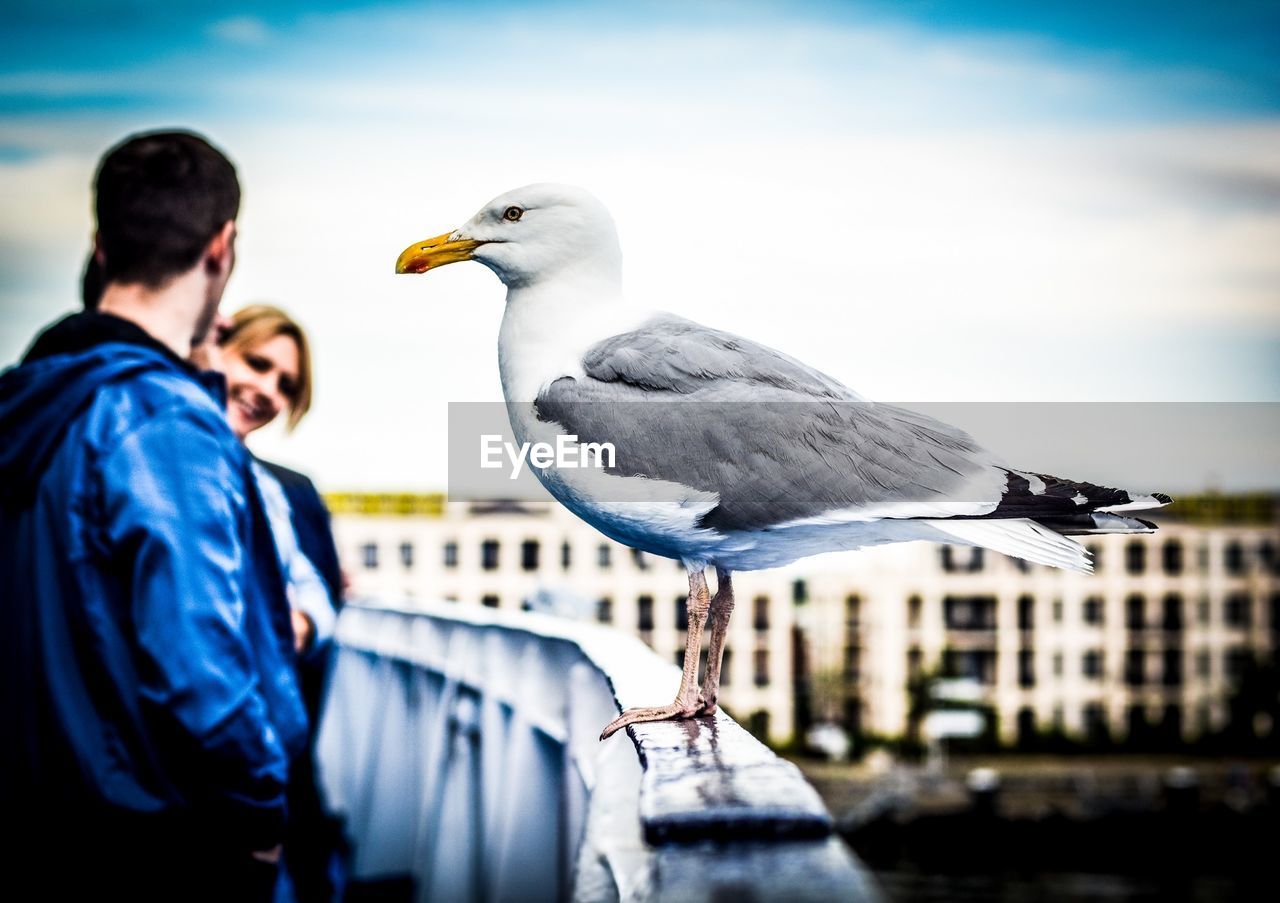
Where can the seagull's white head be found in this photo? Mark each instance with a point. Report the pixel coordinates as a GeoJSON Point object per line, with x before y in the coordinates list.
{"type": "Point", "coordinates": [528, 235]}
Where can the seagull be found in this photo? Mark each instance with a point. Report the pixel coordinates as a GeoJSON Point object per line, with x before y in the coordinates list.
{"type": "Point", "coordinates": [728, 454]}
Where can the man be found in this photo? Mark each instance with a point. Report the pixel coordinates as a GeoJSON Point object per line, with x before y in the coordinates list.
{"type": "Point", "coordinates": [146, 671]}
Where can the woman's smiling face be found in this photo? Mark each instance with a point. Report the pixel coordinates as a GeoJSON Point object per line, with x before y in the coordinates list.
{"type": "Point", "coordinates": [262, 381]}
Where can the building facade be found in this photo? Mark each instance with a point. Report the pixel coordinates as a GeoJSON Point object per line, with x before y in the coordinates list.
{"type": "Point", "coordinates": [1147, 649]}
{"type": "Point", "coordinates": [1149, 646]}
{"type": "Point", "coordinates": [511, 556]}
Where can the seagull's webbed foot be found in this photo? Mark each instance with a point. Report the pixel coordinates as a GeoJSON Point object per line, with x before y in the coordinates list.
{"type": "Point", "coordinates": [676, 710]}
{"type": "Point", "coordinates": [688, 698]}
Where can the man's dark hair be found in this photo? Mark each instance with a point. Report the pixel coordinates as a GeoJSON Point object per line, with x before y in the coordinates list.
{"type": "Point", "coordinates": [91, 282]}
{"type": "Point", "coordinates": [160, 198]}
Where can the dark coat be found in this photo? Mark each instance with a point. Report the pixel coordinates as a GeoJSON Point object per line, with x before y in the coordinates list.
{"type": "Point", "coordinates": [146, 660]}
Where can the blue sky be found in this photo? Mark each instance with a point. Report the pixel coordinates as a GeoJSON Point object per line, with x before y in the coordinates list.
{"type": "Point", "coordinates": [83, 58]}
{"type": "Point", "coordinates": [989, 200]}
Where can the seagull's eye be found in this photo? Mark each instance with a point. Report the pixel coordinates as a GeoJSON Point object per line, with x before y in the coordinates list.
{"type": "Point", "coordinates": [512, 214]}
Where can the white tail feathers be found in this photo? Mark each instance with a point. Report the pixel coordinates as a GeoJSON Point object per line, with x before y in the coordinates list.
{"type": "Point", "coordinates": [1020, 538]}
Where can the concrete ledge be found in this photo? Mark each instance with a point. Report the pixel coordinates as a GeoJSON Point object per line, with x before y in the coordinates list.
{"type": "Point", "coordinates": [708, 779]}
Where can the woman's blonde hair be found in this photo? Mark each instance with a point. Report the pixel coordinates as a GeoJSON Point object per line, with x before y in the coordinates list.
{"type": "Point", "coordinates": [259, 323]}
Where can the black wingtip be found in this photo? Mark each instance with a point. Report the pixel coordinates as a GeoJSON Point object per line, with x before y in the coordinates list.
{"type": "Point", "coordinates": [1162, 498]}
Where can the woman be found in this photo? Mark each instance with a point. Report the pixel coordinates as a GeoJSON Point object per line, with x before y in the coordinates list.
{"type": "Point", "coordinates": [267, 363]}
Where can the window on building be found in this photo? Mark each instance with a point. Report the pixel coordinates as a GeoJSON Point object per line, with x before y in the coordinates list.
{"type": "Point", "coordinates": [529, 555]}
{"type": "Point", "coordinates": [1058, 664]}
{"type": "Point", "coordinates": [1091, 665]}
{"type": "Point", "coordinates": [1204, 610]}
{"type": "Point", "coordinates": [853, 612]}
{"type": "Point", "coordinates": [1233, 558]}
{"type": "Point", "coordinates": [799, 592]}
{"type": "Point", "coordinates": [914, 606]}
{"type": "Point", "coordinates": [1204, 664]}
{"type": "Point", "coordinates": [760, 612]}
{"type": "Point", "coordinates": [1057, 611]}
{"type": "Point", "coordinates": [852, 662]}
{"type": "Point", "coordinates": [969, 612]}
{"type": "Point", "coordinates": [640, 560]}
{"type": "Point", "coordinates": [1136, 716]}
{"type": "Point", "coordinates": [644, 612]}
{"type": "Point", "coordinates": [1172, 605]}
{"type": "Point", "coordinates": [566, 555]}
{"type": "Point", "coordinates": [762, 667]}
{"type": "Point", "coordinates": [1026, 725]}
{"type": "Point", "coordinates": [489, 601]}
{"type": "Point", "coordinates": [1135, 557]}
{"type": "Point", "coordinates": [961, 559]}
{"type": "Point", "coordinates": [915, 662]}
{"type": "Point", "coordinates": [1094, 716]}
{"type": "Point", "coordinates": [1171, 557]}
{"type": "Point", "coordinates": [1202, 558]}
{"type": "Point", "coordinates": [975, 664]}
{"type": "Point", "coordinates": [1275, 619]}
{"type": "Point", "coordinates": [758, 725]}
{"type": "Point", "coordinates": [369, 555]}
{"type": "Point", "coordinates": [604, 557]}
{"type": "Point", "coordinates": [1135, 612]}
{"type": "Point", "coordinates": [1268, 558]}
{"type": "Point", "coordinates": [406, 555]}
{"type": "Point", "coordinates": [725, 670]}
{"type": "Point", "coordinates": [1172, 668]}
{"type": "Point", "coordinates": [1093, 610]}
{"type": "Point", "coordinates": [1026, 668]}
{"type": "Point", "coordinates": [682, 612]}
{"type": "Point", "coordinates": [1204, 718]}
{"type": "Point", "coordinates": [1235, 611]}
{"type": "Point", "coordinates": [451, 554]}
{"type": "Point", "coordinates": [1235, 662]}
{"type": "Point", "coordinates": [1026, 612]}
{"type": "Point", "coordinates": [489, 554]}
{"type": "Point", "coordinates": [1095, 555]}
{"type": "Point", "coordinates": [604, 610]}
{"type": "Point", "coordinates": [1135, 661]}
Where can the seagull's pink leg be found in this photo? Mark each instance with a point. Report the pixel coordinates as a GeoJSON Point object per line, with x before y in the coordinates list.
{"type": "Point", "coordinates": [688, 701]}
{"type": "Point", "coordinates": [721, 608]}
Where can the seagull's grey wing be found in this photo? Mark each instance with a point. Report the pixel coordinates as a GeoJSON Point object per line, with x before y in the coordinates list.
{"type": "Point", "coordinates": [776, 440]}
{"type": "Point", "coordinates": [672, 354]}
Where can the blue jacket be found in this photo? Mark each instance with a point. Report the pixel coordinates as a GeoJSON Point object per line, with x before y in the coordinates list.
{"type": "Point", "coordinates": [146, 659]}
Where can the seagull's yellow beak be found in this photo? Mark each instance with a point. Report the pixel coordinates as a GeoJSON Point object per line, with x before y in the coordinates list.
{"type": "Point", "coordinates": [434, 252]}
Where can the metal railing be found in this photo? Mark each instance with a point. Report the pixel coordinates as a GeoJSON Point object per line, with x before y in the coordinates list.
{"type": "Point", "coordinates": [460, 747]}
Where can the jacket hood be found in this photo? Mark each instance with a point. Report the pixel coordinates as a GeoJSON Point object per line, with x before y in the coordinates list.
{"type": "Point", "coordinates": [40, 399]}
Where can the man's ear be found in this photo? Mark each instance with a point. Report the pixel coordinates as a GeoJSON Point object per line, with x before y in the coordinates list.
{"type": "Point", "coordinates": [99, 255]}
{"type": "Point", "coordinates": [220, 253]}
